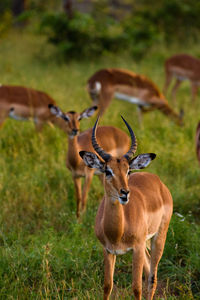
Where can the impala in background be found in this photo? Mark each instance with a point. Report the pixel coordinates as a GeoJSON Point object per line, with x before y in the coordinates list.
{"type": "Point", "coordinates": [22, 103]}
{"type": "Point", "coordinates": [135, 208]}
{"type": "Point", "coordinates": [107, 84]}
{"type": "Point", "coordinates": [182, 67]}
{"type": "Point", "coordinates": [114, 140]}
{"type": "Point", "coordinates": [197, 141]}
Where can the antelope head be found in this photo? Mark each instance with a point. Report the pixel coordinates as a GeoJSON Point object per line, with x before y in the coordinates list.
{"type": "Point", "coordinates": [72, 118]}
{"type": "Point", "coordinates": [116, 170]}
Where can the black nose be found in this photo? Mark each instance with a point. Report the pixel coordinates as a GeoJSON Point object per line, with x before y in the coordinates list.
{"type": "Point", "coordinates": [74, 131]}
{"type": "Point", "coordinates": [125, 192]}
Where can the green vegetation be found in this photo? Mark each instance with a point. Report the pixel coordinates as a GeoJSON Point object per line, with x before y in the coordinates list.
{"type": "Point", "coordinates": [45, 253]}
{"type": "Point", "coordinates": [135, 29]}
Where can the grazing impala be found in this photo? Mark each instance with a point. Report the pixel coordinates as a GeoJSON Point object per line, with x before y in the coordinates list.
{"type": "Point", "coordinates": [114, 140]}
{"type": "Point", "coordinates": [198, 142]}
{"type": "Point", "coordinates": [135, 208]}
{"type": "Point", "coordinates": [21, 103]}
{"type": "Point", "coordinates": [134, 88]}
{"type": "Point", "coordinates": [182, 67]}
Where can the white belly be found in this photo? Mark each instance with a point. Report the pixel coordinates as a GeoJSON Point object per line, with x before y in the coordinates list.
{"type": "Point", "coordinates": [118, 251]}
{"type": "Point", "coordinates": [131, 99]}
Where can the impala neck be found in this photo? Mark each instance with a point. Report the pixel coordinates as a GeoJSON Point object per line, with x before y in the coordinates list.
{"type": "Point", "coordinates": [113, 220]}
{"type": "Point", "coordinates": [73, 150]}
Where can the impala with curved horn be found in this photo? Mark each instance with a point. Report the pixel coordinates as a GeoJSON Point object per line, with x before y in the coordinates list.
{"type": "Point", "coordinates": [106, 84]}
{"type": "Point", "coordinates": [135, 208]}
{"type": "Point", "coordinates": [114, 140]}
{"type": "Point", "coordinates": [22, 103]}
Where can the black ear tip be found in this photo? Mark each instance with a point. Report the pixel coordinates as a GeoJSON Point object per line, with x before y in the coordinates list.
{"type": "Point", "coordinates": [81, 153]}
{"type": "Point", "coordinates": [50, 105]}
{"type": "Point", "coordinates": [95, 107]}
{"type": "Point", "coordinates": [152, 155]}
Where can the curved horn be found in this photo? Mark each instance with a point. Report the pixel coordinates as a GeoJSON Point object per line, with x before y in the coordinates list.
{"type": "Point", "coordinates": [133, 147]}
{"type": "Point", "coordinates": [106, 157]}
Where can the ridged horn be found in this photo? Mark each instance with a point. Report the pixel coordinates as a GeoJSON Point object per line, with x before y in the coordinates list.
{"type": "Point", "coordinates": [133, 147]}
{"type": "Point", "coordinates": [106, 157]}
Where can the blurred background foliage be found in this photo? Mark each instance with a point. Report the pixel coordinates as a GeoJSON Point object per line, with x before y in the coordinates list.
{"type": "Point", "coordinates": [88, 28]}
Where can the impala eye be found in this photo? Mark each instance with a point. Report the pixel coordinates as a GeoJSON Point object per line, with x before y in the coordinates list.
{"type": "Point", "coordinates": [108, 173]}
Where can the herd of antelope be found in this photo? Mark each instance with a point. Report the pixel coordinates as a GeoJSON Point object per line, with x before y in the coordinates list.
{"type": "Point", "coordinates": [136, 207]}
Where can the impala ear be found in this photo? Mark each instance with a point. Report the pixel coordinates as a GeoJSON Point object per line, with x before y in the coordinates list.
{"type": "Point", "coordinates": [87, 113]}
{"type": "Point", "coordinates": [141, 161]}
{"type": "Point", "coordinates": [55, 110]}
{"type": "Point", "coordinates": [92, 161]}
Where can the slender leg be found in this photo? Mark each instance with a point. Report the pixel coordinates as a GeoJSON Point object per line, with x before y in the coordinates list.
{"type": "Point", "coordinates": [158, 243]}
{"type": "Point", "coordinates": [88, 179]}
{"type": "Point", "coordinates": [3, 116]}
{"type": "Point", "coordinates": [1, 121]}
{"type": "Point", "coordinates": [77, 184]}
{"type": "Point", "coordinates": [105, 99]}
{"type": "Point", "coordinates": [168, 79]}
{"type": "Point", "coordinates": [109, 266]}
{"type": "Point", "coordinates": [146, 266]}
{"type": "Point", "coordinates": [139, 110]}
{"type": "Point", "coordinates": [138, 263]}
{"type": "Point", "coordinates": [194, 89]}
{"type": "Point", "coordinates": [101, 178]}
{"type": "Point", "coordinates": [39, 125]}
{"type": "Point", "coordinates": [146, 269]}
{"type": "Point", "coordinates": [174, 89]}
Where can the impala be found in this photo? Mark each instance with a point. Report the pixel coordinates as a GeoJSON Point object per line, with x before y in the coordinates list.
{"type": "Point", "coordinates": [198, 141]}
{"type": "Point", "coordinates": [135, 208]}
{"type": "Point", "coordinates": [114, 140]}
{"type": "Point", "coordinates": [107, 84]}
{"type": "Point", "coordinates": [21, 103]}
{"type": "Point", "coordinates": [182, 67]}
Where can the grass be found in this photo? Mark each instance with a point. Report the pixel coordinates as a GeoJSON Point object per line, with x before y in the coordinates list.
{"type": "Point", "coordinates": [45, 253]}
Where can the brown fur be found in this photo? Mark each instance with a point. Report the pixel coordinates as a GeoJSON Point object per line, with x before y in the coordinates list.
{"type": "Point", "coordinates": [182, 67]}
{"type": "Point", "coordinates": [121, 227]}
{"type": "Point", "coordinates": [27, 104]}
{"type": "Point", "coordinates": [114, 140]}
{"type": "Point", "coordinates": [132, 84]}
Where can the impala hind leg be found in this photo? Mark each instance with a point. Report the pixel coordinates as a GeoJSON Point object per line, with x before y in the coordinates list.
{"type": "Point", "coordinates": [138, 263]}
{"type": "Point", "coordinates": [157, 247]}
{"type": "Point", "coordinates": [77, 184]}
{"type": "Point", "coordinates": [88, 179]}
{"type": "Point", "coordinates": [109, 266]}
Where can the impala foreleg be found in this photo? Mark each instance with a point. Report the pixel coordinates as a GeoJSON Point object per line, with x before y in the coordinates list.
{"type": "Point", "coordinates": [138, 263]}
{"type": "Point", "coordinates": [109, 266]}
{"type": "Point", "coordinates": [88, 179]}
{"type": "Point", "coordinates": [39, 125]}
{"type": "Point", "coordinates": [194, 89]}
{"type": "Point", "coordinates": [168, 80]}
{"type": "Point", "coordinates": [157, 247]}
{"type": "Point", "coordinates": [77, 184]}
{"type": "Point", "coordinates": [174, 89]}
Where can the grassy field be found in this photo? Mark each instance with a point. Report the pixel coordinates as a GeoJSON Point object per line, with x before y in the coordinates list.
{"type": "Point", "coordinates": [44, 252]}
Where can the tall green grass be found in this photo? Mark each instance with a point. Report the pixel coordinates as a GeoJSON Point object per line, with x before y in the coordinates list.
{"type": "Point", "coordinates": [45, 253]}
